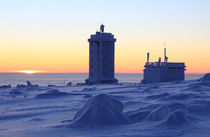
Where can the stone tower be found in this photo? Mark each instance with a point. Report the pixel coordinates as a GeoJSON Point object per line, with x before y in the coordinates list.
{"type": "Point", "coordinates": [101, 58]}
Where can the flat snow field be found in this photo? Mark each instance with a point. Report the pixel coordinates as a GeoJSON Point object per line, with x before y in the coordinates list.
{"type": "Point", "coordinates": [173, 109]}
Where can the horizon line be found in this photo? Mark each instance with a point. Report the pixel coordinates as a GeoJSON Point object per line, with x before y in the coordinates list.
{"type": "Point", "coordinates": [85, 73]}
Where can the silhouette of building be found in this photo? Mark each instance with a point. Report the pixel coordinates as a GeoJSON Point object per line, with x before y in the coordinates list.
{"type": "Point", "coordinates": [101, 58]}
{"type": "Point", "coordinates": [155, 72]}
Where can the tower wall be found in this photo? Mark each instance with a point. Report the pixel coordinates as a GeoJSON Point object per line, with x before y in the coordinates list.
{"type": "Point", "coordinates": [94, 73]}
{"type": "Point", "coordinates": [101, 58]}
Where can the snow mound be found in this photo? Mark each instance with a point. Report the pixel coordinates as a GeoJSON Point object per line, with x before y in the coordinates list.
{"type": "Point", "coordinates": [202, 84]}
{"type": "Point", "coordinates": [170, 114]}
{"type": "Point", "coordinates": [206, 78]}
{"type": "Point", "coordinates": [52, 94]}
{"type": "Point", "coordinates": [176, 117]}
{"type": "Point", "coordinates": [100, 110]}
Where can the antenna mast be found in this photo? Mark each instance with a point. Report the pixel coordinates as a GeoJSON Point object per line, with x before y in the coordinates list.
{"type": "Point", "coordinates": [147, 57]}
{"type": "Point", "coordinates": [165, 57]}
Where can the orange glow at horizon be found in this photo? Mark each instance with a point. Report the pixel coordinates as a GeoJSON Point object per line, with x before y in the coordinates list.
{"type": "Point", "coordinates": [29, 71]}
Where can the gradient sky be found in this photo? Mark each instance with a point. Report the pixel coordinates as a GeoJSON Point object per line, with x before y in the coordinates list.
{"type": "Point", "coordinates": [51, 35]}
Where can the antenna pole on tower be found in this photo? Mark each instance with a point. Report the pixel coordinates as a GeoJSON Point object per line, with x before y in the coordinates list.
{"type": "Point", "coordinates": [165, 57]}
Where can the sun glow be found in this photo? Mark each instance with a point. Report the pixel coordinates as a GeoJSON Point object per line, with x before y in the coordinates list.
{"type": "Point", "coordinates": [29, 71]}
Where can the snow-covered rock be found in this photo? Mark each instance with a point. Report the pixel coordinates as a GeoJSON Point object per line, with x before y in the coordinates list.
{"type": "Point", "coordinates": [5, 86]}
{"type": "Point", "coordinates": [28, 85]}
{"type": "Point", "coordinates": [100, 110]}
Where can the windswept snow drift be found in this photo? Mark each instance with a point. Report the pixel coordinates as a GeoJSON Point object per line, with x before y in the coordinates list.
{"type": "Point", "coordinates": [161, 109]}
{"type": "Point", "coordinates": [206, 78]}
{"type": "Point", "coordinates": [169, 113]}
{"type": "Point", "coordinates": [100, 110]}
{"type": "Point", "coordinates": [51, 94]}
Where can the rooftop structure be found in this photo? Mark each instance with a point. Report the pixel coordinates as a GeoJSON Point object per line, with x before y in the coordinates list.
{"type": "Point", "coordinates": [155, 72]}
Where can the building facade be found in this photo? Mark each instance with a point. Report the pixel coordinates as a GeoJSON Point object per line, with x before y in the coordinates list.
{"type": "Point", "coordinates": [156, 72]}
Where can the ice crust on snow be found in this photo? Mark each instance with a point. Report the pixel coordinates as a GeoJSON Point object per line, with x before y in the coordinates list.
{"type": "Point", "coordinates": [101, 110]}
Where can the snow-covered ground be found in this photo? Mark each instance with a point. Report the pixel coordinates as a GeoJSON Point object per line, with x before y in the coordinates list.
{"type": "Point", "coordinates": [173, 109]}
